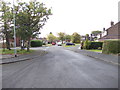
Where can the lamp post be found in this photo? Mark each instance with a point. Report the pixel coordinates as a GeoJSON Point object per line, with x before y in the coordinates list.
{"type": "Point", "coordinates": [15, 52]}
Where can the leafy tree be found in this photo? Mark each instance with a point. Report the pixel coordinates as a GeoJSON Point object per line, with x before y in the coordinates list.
{"type": "Point", "coordinates": [95, 33]}
{"type": "Point", "coordinates": [68, 38]}
{"type": "Point", "coordinates": [51, 37]}
{"type": "Point", "coordinates": [61, 36]}
{"type": "Point", "coordinates": [30, 19]}
{"type": "Point", "coordinates": [6, 20]}
{"type": "Point", "coordinates": [76, 38]}
{"type": "Point", "coordinates": [87, 36]}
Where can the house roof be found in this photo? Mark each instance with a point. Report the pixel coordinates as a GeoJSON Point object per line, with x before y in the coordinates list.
{"type": "Point", "coordinates": [112, 32]}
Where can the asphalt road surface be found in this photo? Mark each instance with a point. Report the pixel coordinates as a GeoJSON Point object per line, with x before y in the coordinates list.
{"type": "Point", "coordinates": [60, 68]}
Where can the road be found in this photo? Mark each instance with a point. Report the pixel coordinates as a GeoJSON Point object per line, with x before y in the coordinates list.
{"type": "Point", "coordinates": [60, 68]}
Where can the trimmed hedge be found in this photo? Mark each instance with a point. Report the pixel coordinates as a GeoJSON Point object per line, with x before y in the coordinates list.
{"type": "Point", "coordinates": [111, 47]}
{"type": "Point", "coordinates": [92, 45]}
{"type": "Point", "coordinates": [96, 45]}
{"type": "Point", "coordinates": [36, 43]}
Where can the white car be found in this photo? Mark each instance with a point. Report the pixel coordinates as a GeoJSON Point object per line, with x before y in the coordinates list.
{"type": "Point", "coordinates": [59, 43]}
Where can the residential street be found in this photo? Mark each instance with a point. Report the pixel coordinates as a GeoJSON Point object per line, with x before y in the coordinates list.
{"type": "Point", "coordinates": [60, 68]}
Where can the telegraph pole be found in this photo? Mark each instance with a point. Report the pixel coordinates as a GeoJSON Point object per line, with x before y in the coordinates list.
{"type": "Point", "coordinates": [15, 52]}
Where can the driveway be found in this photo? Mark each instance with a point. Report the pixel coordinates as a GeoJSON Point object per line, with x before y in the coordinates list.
{"type": "Point", "coordinates": [60, 68]}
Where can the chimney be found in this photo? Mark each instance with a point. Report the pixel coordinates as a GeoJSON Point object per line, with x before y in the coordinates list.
{"type": "Point", "coordinates": [112, 23]}
{"type": "Point", "coordinates": [103, 29]}
{"type": "Point", "coordinates": [100, 35]}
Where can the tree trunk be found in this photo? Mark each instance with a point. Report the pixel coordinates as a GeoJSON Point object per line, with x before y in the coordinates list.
{"type": "Point", "coordinates": [28, 46]}
{"type": "Point", "coordinates": [22, 45]}
{"type": "Point", "coordinates": [62, 41]}
{"type": "Point", "coordinates": [7, 41]}
{"type": "Point", "coordinates": [7, 36]}
{"type": "Point", "coordinates": [3, 45]}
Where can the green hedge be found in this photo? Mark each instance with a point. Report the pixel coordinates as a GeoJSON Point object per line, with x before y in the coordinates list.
{"type": "Point", "coordinates": [95, 45]}
{"type": "Point", "coordinates": [36, 43]}
{"type": "Point", "coordinates": [111, 47]}
{"type": "Point", "coordinates": [92, 45]}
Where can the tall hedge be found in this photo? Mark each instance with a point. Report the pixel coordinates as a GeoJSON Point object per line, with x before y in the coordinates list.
{"type": "Point", "coordinates": [36, 43]}
{"type": "Point", "coordinates": [111, 47]}
{"type": "Point", "coordinates": [92, 45]}
{"type": "Point", "coordinates": [95, 45]}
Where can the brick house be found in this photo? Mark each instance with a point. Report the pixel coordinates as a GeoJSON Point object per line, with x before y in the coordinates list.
{"type": "Point", "coordinates": [17, 42]}
{"type": "Point", "coordinates": [111, 33]}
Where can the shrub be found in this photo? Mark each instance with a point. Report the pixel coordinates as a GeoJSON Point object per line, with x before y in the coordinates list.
{"type": "Point", "coordinates": [44, 43]}
{"type": "Point", "coordinates": [92, 45]}
{"type": "Point", "coordinates": [95, 45]}
{"type": "Point", "coordinates": [99, 48]}
{"type": "Point", "coordinates": [36, 43]}
{"type": "Point", "coordinates": [86, 44]}
{"type": "Point", "coordinates": [111, 47]}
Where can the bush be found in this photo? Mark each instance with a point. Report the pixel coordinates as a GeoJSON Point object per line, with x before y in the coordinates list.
{"type": "Point", "coordinates": [99, 48]}
{"type": "Point", "coordinates": [44, 43]}
{"type": "Point", "coordinates": [96, 45]}
{"type": "Point", "coordinates": [36, 43]}
{"type": "Point", "coordinates": [92, 45]}
{"type": "Point", "coordinates": [86, 44]}
{"type": "Point", "coordinates": [111, 47]}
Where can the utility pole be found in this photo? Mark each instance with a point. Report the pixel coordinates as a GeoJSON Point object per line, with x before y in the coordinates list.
{"type": "Point", "coordinates": [15, 52]}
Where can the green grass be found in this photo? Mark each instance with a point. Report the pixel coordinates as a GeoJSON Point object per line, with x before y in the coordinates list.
{"type": "Point", "coordinates": [69, 46]}
{"type": "Point", "coordinates": [49, 45]}
{"type": "Point", "coordinates": [95, 50]}
{"type": "Point", "coordinates": [77, 44]}
{"type": "Point", "coordinates": [12, 51]}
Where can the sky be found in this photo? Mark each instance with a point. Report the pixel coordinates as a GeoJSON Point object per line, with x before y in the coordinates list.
{"type": "Point", "coordinates": [82, 16]}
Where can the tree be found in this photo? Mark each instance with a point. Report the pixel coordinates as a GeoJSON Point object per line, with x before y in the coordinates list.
{"type": "Point", "coordinates": [68, 38]}
{"type": "Point", "coordinates": [61, 36]}
{"type": "Point", "coordinates": [51, 37]}
{"type": "Point", "coordinates": [6, 19]}
{"type": "Point", "coordinates": [31, 17]}
{"type": "Point", "coordinates": [87, 37]}
{"type": "Point", "coordinates": [95, 33]}
{"type": "Point", "coordinates": [86, 44]}
{"type": "Point", "coordinates": [76, 38]}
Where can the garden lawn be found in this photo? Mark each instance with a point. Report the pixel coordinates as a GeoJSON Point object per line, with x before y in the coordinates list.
{"type": "Point", "coordinates": [49, 45]}
{"type": "Point", "coordinates": [12, 51]}
{"type": "Point", "coordinates": [77, 44]}
{"type": "Point", "coordinates": [69, 46]}
{"type": "Point", "coordinates": [95, 50]}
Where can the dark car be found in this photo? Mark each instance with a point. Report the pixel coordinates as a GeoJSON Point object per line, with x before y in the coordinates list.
{"type": "Point", "coordinates": [53, 43]}
{"type": "Point", "coordinates": [70, 43]}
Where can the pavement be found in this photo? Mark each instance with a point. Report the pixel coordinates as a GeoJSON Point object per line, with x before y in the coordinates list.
{"type": "Point", "coordinates": [60, 68]}
{"type": "Point", "coordinates": [6, 59]}
{"type": "Point", "coordinates": [98, 55]}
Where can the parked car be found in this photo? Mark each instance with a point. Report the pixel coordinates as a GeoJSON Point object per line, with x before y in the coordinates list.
{"type": "Point", "coordinates": [70, 43]}
{"type": "Point", "coordinates": [59, 43]}
{"type": "Point", "coordinates": [53, 43]}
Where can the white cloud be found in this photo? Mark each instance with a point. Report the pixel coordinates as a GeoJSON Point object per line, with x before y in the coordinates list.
{"type": "Point", "coordinates": [81, 16]}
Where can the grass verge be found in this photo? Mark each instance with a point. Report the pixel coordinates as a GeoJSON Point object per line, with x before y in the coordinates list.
{"type": "Point", "coordinates": [95, 50]}
{"type": "Point", "coordinates": [69, 46]}
{"type": "Point", "coordinates": [49, 45]}
{"type": "Point", "coordinates": [12, 51]}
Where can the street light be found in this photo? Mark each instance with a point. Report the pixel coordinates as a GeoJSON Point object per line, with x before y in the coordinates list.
{"type": "Point", "coordinates": [15, 52]}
